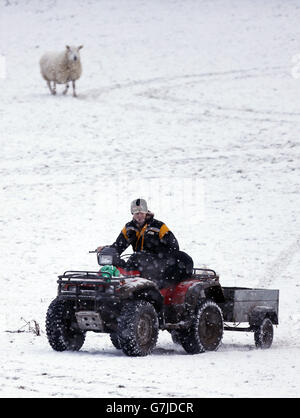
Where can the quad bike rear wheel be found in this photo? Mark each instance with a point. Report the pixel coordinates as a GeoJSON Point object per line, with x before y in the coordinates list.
{"type": "Point", "coordinates": [175, 335]}
{"type": "Point", "coordinates": [206, 331]}
{"type": "Point", "coordinates": [138, 328]}
{"type": "Point", "coordinates": [61, 329]}
{"type": "Point", "coordinates": [263, 334]}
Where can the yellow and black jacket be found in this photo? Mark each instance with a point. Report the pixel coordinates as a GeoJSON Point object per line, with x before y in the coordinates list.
{"type": "Point", "coordinates": [154, 237]}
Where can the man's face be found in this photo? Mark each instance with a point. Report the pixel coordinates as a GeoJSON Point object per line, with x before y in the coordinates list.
{"type": "Point", "coordinates": [139, 217]}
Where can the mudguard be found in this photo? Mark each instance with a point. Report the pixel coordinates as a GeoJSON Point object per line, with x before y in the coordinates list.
{"type": "Point", "coordinates": [259, 313]}
{"type": "Point", "coordinates": [204, 290]}
{"type": "Point", "coordinates": [141, 288]}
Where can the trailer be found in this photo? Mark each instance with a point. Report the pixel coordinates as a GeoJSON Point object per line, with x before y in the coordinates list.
{"type": "Point", "coordinates": [257, 308]}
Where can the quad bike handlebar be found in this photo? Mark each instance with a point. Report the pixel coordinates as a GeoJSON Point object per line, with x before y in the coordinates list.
{"type": "Point", "coordinates": [96, 252]}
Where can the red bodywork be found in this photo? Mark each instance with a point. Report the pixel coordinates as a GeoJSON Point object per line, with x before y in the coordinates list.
{"type": "Point", "coordinates": [176, 294]}
{"type": "Point", "coordinates": [129, 272]}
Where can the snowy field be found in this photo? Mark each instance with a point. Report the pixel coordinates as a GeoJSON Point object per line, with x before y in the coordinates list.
{"type": "Point", "coordinates": [191, 104]}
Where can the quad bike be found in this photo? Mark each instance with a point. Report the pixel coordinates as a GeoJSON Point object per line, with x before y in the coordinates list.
{"type": "Point", "coordinates": [133, 309]}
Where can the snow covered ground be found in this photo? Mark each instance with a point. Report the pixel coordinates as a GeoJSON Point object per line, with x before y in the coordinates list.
{"type": "Point", "coordinates": [194, 105]}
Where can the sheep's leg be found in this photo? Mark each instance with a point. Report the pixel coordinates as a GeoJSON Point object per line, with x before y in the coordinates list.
{"type": "Point", "coordinates": [49, 85]}
{"type": "Point", "coordinates": [74, 91]}
{"type": "Point", "coordinates": [66, 89]}
{"type": "Point", "coordinates": [52, 90]}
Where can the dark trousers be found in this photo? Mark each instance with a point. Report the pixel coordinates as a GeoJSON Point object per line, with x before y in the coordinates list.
{"type": "Point", "coordinates": [164, 269]}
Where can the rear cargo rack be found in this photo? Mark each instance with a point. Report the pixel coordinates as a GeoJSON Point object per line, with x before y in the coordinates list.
{"type": "Point", "coordinates": [204, 273]}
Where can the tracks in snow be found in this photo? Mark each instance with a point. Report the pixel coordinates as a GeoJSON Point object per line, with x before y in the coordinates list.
{"type": "Point", "coordinates": [198, 96]}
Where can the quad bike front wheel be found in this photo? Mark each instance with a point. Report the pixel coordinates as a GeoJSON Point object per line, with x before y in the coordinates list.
{"type": "Point", "coordinates": [138, 328]}
{"type": "Point", "coordinates": [61, 329]}
{"type": "Point", "coordinates": [175, 335]}
{"type": "Point", "coordinates": [114, 338]}
{"type": "Point", "coordinates": [206, 331]}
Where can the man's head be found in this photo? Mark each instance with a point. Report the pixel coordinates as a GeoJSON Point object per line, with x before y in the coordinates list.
{"type": "Point", "coordinates": [139, 210]}
{"type": "Point", "coordinates": [139, 205]}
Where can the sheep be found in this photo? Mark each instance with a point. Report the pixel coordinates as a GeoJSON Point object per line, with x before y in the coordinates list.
{"type": "Point", "coordinates": [61, 68]}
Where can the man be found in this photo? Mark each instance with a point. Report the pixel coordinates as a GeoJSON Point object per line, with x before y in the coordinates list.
{"type": "Point", "coordinates": [156, 250]}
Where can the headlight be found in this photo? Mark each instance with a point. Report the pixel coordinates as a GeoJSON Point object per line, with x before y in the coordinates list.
{"type": "Point", "coordinates": [105, 259]}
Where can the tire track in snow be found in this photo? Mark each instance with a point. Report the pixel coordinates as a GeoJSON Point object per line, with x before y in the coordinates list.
{"type": "Point", "coordinates": [244, 73]}
{"type": "Point", "coordinates": [159, 85]}
{"type": "Point", "coordinates": [280, 264]}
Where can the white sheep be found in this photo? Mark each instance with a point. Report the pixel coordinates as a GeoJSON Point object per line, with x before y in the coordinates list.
{"type": "Point", "coordinates": [61, 68]}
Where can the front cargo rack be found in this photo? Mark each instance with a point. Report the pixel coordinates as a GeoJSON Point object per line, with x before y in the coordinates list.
{"type": "Point", "coordinates": [73, 274]}
{"type": "Point", "coordinates": [86, 283]}
{"type": "Point", "coordinates": [88, 277]}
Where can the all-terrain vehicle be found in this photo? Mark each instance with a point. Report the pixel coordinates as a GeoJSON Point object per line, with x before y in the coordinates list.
{"type": "Point", "coordinates": [133, 309]}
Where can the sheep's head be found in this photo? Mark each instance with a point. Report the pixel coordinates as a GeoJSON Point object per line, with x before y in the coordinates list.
{"type": "Point", "coordinates": [73, 52]}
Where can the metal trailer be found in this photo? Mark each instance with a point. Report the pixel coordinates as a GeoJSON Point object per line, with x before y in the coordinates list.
{"type": "Point", "coordinates": [257, 307]}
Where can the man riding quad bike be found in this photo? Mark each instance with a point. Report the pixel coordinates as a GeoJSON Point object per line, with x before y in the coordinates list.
{"type": "Point", "coordinates": [156, 250]}
{"type": "Point", "coordinates": [157, 288]}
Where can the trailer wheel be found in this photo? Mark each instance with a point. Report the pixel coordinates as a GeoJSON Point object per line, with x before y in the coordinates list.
{"type": "Point", "coordinates": [61, 329]}
{"type": "Point", "coordinates": [138, 328]}
{"type": "Point", "coordinates": [263, 334]}
{"type": "Point", "coordinates": [206, 331]}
